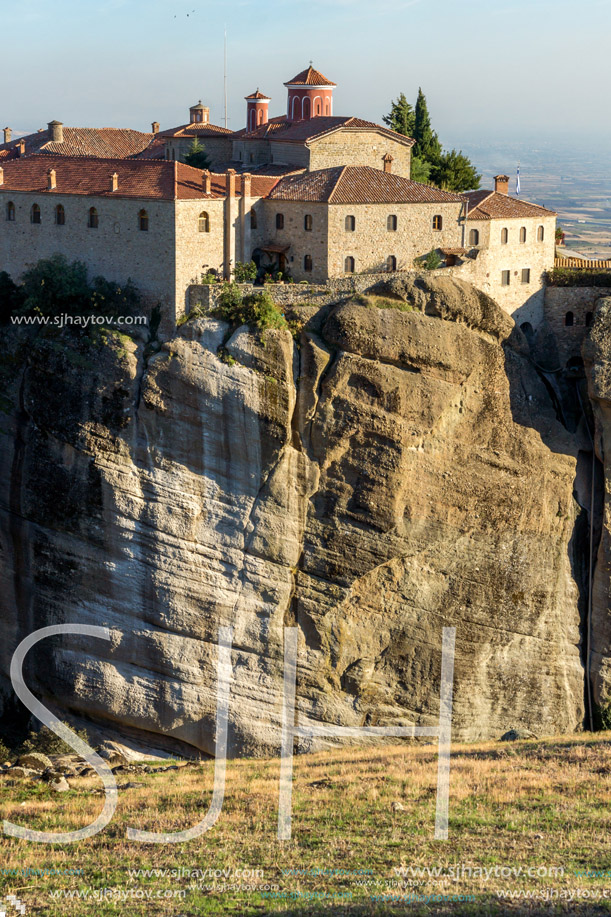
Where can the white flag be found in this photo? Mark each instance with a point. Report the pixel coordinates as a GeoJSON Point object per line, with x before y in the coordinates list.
{"type": "Point", "coordinates": [518, 181]}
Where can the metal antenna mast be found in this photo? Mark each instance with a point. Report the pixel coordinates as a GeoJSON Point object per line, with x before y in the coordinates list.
{"type": "Point", "coordinates": [225, 79]}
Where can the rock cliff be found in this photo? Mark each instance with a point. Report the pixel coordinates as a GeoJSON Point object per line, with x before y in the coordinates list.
{"type": "Point", "coordinates": [391, 472]}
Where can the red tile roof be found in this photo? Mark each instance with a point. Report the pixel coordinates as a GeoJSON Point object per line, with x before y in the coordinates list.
{"type": "Point", "coordinates": [155, 150]}
{"type": "Point", "coordinates": [257, 95]}
{"type": "Point", "coordinates": [358, 185]}
{"type": "Point", "coordinates": [491, 205]}
{"type": "Point", "coordinates": [197, 129]}
{"type": "Point", "coordinates": [286, 131]}
{"type": "Point", "coordinates": [104, 142]}
{"type": "Point", "coordinates": [137, 178]}
{"type": "Point", "coordinates": [310, 77]}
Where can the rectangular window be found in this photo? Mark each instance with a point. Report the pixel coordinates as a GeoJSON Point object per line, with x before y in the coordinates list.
{"type": "Point", "coordinates": [526, 275]}
{"type": "Point", "coordinates": [505, 278]}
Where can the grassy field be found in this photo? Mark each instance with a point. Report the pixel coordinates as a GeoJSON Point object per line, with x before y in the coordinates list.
{"type": "Point", "coordinates": [363, 837]}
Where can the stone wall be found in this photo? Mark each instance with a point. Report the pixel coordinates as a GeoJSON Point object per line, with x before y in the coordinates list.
{"type": "Point", "coordinates": [218, 149]}
{"type": "Point", "coordinates": [302, 242]}
{"type": "Point", "coordinates": [579, 301]}
{"type": "Point", "coordinates": [371, 243]}
{"type": "Point", "coordinates": [117, 250]}
{"type": "Point", "coordinates": [290, 294]}
{"type": "Point", "coordinates": [197, 252]}
{"type": "Point", "coordinates": [523, 300]}
{"type": "Point", "coordinates": [359, 148]}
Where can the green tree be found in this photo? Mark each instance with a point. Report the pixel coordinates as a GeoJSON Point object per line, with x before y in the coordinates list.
{"type": "Point", "coordinates": [53, 286]}
{"type": "Point", "coordinates": [455, 172]}
{"type": "Point", "coordinates": [450, 170]}
{"type": "Point", "coordinates": [197, 156]}
{"type": "Point", "coordinates": [400, 117]}
{"type": "Point", "coordinates": [11, 298]}
{"type": "Point", "coordinates": [421, 170]}
{"type": "Point", "coordinates": [427, 145]}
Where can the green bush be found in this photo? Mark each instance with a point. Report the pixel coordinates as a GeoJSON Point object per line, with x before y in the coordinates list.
{"type": "Point", "coordinates": [11, 298]}
{"type": "Point", "coordinates": [257, 309]}
{"type": "Point", "coordinates": [430, 262]}
{"type": "Point", "coordinates": [576, 277]}
{"type": "Point", "coordinates": [54, 286]}
{"type": "Point", "coordinates": [5, 753]}
{"type": "Point", "coordinates": [47, 743]}
{"type": "Point", "coordinates": [245, 271]}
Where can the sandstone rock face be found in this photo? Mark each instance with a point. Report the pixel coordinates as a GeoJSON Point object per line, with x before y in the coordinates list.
{"type": "Point", "coordinates": [597, 359]}
{"type": "Point", "coordinates": [391, 473]}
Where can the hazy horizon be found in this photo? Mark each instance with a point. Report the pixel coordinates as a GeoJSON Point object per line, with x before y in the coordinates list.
{"type": "Point", "coordinates": [514, 73]}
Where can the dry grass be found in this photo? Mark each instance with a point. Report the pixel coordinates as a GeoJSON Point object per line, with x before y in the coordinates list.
{"type": "Point", "coordinates": [528, 804]}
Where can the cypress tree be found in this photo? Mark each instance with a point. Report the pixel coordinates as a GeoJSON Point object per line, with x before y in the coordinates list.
{"type": "Point", "coordinates": [427, 145]}
{"type": "Point", "coordinates": [400, 117]}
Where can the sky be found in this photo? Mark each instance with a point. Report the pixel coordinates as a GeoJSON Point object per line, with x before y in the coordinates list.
{"type": "Point", "coordinates": [492, 70]}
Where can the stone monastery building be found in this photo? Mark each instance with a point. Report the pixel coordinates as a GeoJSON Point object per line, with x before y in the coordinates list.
{"type": "Point", "coordinates": [308, 193]}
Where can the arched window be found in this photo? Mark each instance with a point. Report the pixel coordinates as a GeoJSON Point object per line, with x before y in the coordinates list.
{"type": "Point", "coordinates": [327, 108]}
{"type": "Point", "coordinates": [35, 214]}
{"type": "Point", "coordinates": [93, 220]}
{"type": "Point", "coordinates": [350, 224]}
{"type": "Point", "coordinates": [253, 219]}
{"type": "Point", "coordinates": [173, 154]}
{"type": "Point", "coordinates": [589, 318]}
{"type": "Point", "coordinates": [307, 263]}
{"type": "Point", "coordinates": [10, 212]}
{"type": "Point", "coordinates": [391, 223]}
{"type": "Point", "coordinates": [279, 221]}
{"type": "Point", "coordinates": [307, 222]}
{"type": "Point", "coordinates": [569, 319]}
{"type": "Point", "coordinates": [349, 265]}
{"type": "Point", "coordinates": [523, 234]}
{"type": "Point", "coordinates": [306, 108]}
{"type": "Point", "coordinates": [437, 221]}
{"type": "Point", "coordinates": [203, 223]}
{"type": "Point", "coordinates": [540, 234]}
{"type": "Point", "coordinates": [317, 106]}
{"type": "Point", "coordinates": [60, 215]}
{"type": "Point", "coordinates": [474, 237]}
{"type": "Point", "coordinates": [143, 221]}
{"type": "Point", "coordinates": [391, 263]}
{"type": "Point", "coordinates": [504, 236]}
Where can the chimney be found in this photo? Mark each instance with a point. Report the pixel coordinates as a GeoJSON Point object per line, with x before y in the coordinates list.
{"type": "Point", "coordinates": [387, 162]}
{"type": "Point", "coordinates": [1, 175]}
{"type": "Point", "coordinates": [155, 127]}
{"type": "Point", "coordinates": [51, 180]}
{"type": "Point", "coordinates": [501, 184]}
{"type": "Point", "coordinates": [230, 182]}
{"type": "Point", "coordinates": [7, 134]}
{"type": "Point", "coordinates": [246, 184]}
{"type": "Point", "coordinates": [21, 148]}
{"type": "Point", "coordinates": [56, 130]}
{"type": "Point", "coordinates": [114, 181]}
{"type": "Point", "coordinates": [207, 181]}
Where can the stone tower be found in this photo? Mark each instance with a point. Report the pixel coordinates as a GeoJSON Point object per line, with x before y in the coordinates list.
{"type": "Point", "coordinates": [310, 96]}
{"type": "Point", "coordinates": [256, 110]}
